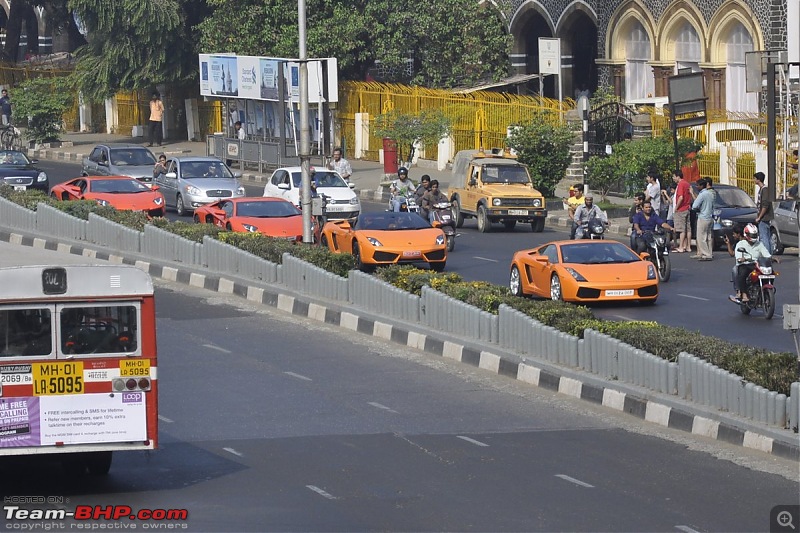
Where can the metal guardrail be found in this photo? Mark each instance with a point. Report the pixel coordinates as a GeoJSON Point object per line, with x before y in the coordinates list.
{"type": "Point", "coordinates": [691, 378]}
{"type": "Point", "coordinates": [265, 154]}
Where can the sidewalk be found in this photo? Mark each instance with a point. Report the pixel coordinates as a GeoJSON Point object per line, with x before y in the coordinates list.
{"type": "Point", "coordinates": [368, 176]}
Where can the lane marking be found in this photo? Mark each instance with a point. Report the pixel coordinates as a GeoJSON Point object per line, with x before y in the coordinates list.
{"type": "Point", "coordinates": [473, 441]}
{"type": "Point", "coordinates": [322, 492]}
{"type": "Point", "coordinates": [686, 529]}
{"type": "Point", "coordinates": [298, 376]}
{"type": "Point", "coordinates": [164, 419]}
{"type": "Point", "coordinates": [623, 317]}
{"type": "Point", "coordinates": [234, 452]}
{"type": "Point", "coordinates": [380, 406]}
{"type": "Point", "coordinates": [485, 259]}
{"type": "Point", "coordinates": [694, 297]}
{"type": "Point", "coordinates": [213, 347]}
{"type": "Point", "coordinates": [576, 481]}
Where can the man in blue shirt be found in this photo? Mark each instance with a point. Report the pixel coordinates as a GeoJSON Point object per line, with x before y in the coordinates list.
{"type": "Point", "coordinates": [704, 205]}
{"type": "Point", "coordinates": [645, 221]}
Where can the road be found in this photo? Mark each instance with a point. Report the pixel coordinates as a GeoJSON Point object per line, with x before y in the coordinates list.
{"type": "Point", "coordinates": [277, 423]}
{"type": "Point", "coordinates": [695, 298]}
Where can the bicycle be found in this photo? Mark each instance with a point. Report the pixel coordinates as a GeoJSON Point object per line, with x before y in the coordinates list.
{"type": "Point", "coordinates": [9, 137]}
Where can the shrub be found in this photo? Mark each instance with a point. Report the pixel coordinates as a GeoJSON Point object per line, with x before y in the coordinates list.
{"type": "Point", "coordinates": [545, 148]}
{"type": "Point", "coordinates": [192, 232]}
{"type": "Point", "coordinates": [28, 199]}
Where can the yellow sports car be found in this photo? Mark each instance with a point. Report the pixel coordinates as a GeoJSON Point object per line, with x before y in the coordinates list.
{"type": "Point", "coordinates": [583, 271]}
{"type": "Point", "coordinates": [386, 238]}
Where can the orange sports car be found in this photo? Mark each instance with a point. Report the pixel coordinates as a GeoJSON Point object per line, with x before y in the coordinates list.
{"type": "Point", "coordinates": [385, 238]}
{"type": "Point", "coordinates": [120, 192]}
{"type": "Point", "coordinates": [583, 271]}
{"type": "Point", "coordinates": [274, 217]}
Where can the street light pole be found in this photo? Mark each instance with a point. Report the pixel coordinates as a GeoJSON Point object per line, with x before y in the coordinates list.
{"type": "Point", "coordinates": [305, 132]}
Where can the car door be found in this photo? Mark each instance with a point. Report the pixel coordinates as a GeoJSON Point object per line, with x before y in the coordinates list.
{"type": "Point", "coordinates": [786, 222]}
{"type": "Point", "coordinates": [104, 164]}
{"type": "Point", "coordinates": [169, 186]}
{"type": "Point", "coordinates": [227, 212]}
{"type": "Point", "coordinates": [90, 163]}
{"type": "Point", "coordinates": [271, 188]}
{"type": "Point", "coordinates": [540, 271]}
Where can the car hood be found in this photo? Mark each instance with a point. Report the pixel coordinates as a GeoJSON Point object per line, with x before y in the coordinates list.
{"type": "Point", "coordinates": [18, 170]}
{"type": "Point", "coordinates": [404, 238]}
{"type": "Point", "coordinates": [510, 190]}
{"type": "Point", "coordinates": [207, 184]}
{"type": "Point", "coordinates": [337, 193]}
{"type": "Point", "coordinates": [128, 202]}
{"type": "Point", "coordinates": [611, 272]}
{"type": "Point", "coordinates": [144, 171]}
{"type": "Point", "coordinates": [738, 214]}
{"type": "Point", "coordinates": [275, 227]}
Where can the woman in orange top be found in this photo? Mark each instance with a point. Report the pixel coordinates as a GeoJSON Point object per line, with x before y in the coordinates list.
{"type": "Point", "coordinates": [156, 116]}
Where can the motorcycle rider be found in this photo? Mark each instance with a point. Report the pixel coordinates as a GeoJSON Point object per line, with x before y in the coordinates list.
{"type": "Point", "coordinates": [586, 212]}
{"type": "Point", "coordinates": [644, 221]}
{"type": "Point", "coordinates": [424, 186]}
{"type": "Point", "coordinates": [401, 188]}
{"type": "Point", "coordinates": [748, 250]}
{"type": "Point", "coordinates": [638, 200]}
{"type": "Point", "coordinates": [431, 198]}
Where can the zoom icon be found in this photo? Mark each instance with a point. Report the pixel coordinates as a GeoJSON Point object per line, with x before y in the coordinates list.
{"type": "Point", "coordinates": [783, 518]}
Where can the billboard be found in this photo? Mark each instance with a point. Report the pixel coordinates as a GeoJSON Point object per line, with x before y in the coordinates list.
{"type": "Point", "coordinates": [257, 78]}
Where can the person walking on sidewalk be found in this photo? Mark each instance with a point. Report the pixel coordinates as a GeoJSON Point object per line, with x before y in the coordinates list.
{"type": "Point", "coordinates": [704, 205]}
{"type": "Point", "coordinates": [156, 118]}
{"type": "Point", "coordinates": [5, 108]}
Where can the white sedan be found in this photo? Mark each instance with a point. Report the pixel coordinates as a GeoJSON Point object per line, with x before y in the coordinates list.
{"type": "Point", "coordinates": [343, 202]}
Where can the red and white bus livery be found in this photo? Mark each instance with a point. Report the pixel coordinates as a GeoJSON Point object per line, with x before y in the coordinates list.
{"type": "Point", "coordinates": [78, 369]}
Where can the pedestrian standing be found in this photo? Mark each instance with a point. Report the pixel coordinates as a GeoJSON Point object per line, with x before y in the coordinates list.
{"type": "Point", "coordinates": [156, 118]}
{"type": "Point", "coordinates": [340, 165]}
{"type": "Point", "coordinates": [5, 108]}
{"type": "Point", "coordinates": [653, 191]}
{"type": "Point", "coordinates": [765, 211]}
{"type": "Point", "coordinates": [683, 203]}
{"type": "Point", "coordinates": [239, 130]}
{"type": "Point", "coordinates": [704, 205]}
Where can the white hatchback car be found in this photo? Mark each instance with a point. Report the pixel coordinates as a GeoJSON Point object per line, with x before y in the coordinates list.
{"type": "Point", "coordinates": [343, 202]}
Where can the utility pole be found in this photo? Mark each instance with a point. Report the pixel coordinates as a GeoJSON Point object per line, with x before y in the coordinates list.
{"type": "Point", "coordinates": [305, 132]}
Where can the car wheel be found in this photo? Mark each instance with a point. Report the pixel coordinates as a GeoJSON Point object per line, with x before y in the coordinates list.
{"type": "Point", "coordinates": [363, 267]}
{"type": "Point", "coordinates": [457, 215]}
{"type": "Point", "coordinates": [775, 242]}
{"type": "Point", "coordinates": [514, 282]}
{"type": "Point", "coordinates": [537, 225]}
{"type": "Point", "coordinates": [438, 267]}
{"type": "Point", "coordinates": [484, 224]}
{"type": "Point", "coordinates": [556, 292]}
{"type": "Point", "coordinates": [179, 207]}
{"type": "Point", "coordinates": [510, 224]}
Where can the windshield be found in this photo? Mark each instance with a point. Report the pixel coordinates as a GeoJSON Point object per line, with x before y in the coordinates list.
{"type": "Point", "coordinates": [132, 157]}
{"type": "Point", "coordinates": [733, 198]}
{"type": "Point", "coordinates": [12, 158]}
{"type": "Point", "coordinates": [118, 186]}
{"type": "Point", "coordinates": [262, 209]}
{"type": "Point", "coordinates": [593, 253]}
{"type": "Point", "coordinates": [391, 221]}
{"type": "Point", "coordinates": [505, 174]}
{"type": "Point", "coordinates": [322, 178]}
{"type": "Point", "coordinates": [204, 169]}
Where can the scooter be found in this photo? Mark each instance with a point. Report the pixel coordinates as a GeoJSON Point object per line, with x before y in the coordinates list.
{"type": "Point", "coordinates": [443, 214]}
{"type": "Point", "coordinates": [760, 289]}
{"type": "Point", "coordinates": [594, 228]}
{"type": "Point", "coordinates": [658, 248]}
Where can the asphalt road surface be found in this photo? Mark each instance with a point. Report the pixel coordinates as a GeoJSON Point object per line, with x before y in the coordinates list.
{"type": "Point", "coordinates": [275, 423]}
{"type": "Point", "coordinates": [695, 298]}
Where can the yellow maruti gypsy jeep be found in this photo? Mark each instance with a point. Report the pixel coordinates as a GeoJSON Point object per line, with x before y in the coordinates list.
{"type": "Point", "coordinates": [494, 187]}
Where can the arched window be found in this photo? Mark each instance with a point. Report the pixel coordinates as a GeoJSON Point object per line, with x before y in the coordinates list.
{"type": "Point", "coordinates": [736, 97]}
{"type": "Point", "coordinates": [688, 52]}
{"type": "Point", "coordinates": [639, 82]}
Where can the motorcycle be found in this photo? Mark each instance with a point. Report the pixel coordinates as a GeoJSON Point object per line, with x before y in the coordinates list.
{"type": "Point", "coordinates": [594, 228]}
{"type": "Point", "coordinates": [658, 249]}
{"type": "Point", "coordinates": [407, 204]}
{"type": "Point", "coordinates": [443, 214]}
{"type": "Point", "coordinates": [760, 285]}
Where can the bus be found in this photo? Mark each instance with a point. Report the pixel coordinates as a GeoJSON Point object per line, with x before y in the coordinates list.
{"type": "Point", "coordinates": [78, 370]}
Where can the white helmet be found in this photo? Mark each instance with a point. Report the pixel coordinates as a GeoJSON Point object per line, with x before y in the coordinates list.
{"type": "Point", "coordinates": [751, 233]}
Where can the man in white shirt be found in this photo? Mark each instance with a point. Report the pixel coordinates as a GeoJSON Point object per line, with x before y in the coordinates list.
{"type": "Point", "coordinates": [340, 165]}
{"type": "Point", "coordinates": [653, 192]}
{"type": "Point", "coordinates": [239, 130]}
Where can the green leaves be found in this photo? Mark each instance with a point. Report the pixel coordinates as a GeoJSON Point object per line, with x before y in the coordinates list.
{"type": "Point", "coordinates": [44, 101]}
{"type": "Point", "coordinates": [426, 128]}
{"type": "Point", "coordinates": [545, 149]}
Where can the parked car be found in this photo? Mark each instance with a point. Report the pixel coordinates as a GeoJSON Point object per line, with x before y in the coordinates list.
{"type": "Point", "coordinates": [193, 181]}
{"type": "Point", "coordinates": [784, 226]}
{"type": "Point", "coordinates": [20, 172]}
{"type": "Point", "coordinates": [273, 217]}
{"type": "Point", "coordinates": [343, 203]}
{"type": "Point", "coordinates": [119, 192]}
{"type": "Point", "coordinates": [732, 205]}
{"type": "Point", "coordinates": [120, 159]}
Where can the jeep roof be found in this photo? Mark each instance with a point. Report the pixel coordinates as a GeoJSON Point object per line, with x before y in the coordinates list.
{"type": "Point", "coordinates": [465, 158]}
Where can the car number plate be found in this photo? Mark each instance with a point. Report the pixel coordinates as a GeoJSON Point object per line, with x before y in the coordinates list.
{"type": "Point", "coordinates": [412, 253]}
{"type": "Point", "coordinates": [522, 212]}
{"type": "Point", "coordinates": [619, 292]}
{"type": "Point", "coordinates": [20, 187]}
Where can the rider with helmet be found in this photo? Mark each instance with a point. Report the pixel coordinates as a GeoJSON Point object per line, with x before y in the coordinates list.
{"type": "Point", "coordinates": [747, 252]}
{"type": "Point", "coordinates": [401, 189]}
{"type": "Point", "coordinates": [586, 212]}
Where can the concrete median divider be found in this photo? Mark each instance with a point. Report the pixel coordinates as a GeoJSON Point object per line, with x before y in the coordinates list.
{"type": "Point", "coordinates": [56, 223]}
{"type": "Point", "coordinates": [161, 244]}
{"type": "Point", "coordinates": [109, 234]}
{"type": "Point", "coordinates": [377, 296]}
{"type": "Point", "coordinates": [223, 257]}
{"type": "Point", "coordinates": [309, 279]}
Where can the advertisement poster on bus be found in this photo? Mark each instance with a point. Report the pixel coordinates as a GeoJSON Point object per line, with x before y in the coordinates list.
{"type": "Point", "coordinates": [72, 419]}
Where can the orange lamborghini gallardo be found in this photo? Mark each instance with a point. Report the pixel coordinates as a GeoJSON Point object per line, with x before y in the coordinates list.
{"type": "Point", "coordinates": [119, 192]}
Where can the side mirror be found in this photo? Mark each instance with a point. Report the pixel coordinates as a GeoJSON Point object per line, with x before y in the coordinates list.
{"type": "Point", "coordinates": [542, 259]}
{"type": "Point", "coordinates": [34, 161]}
{"type": "Point", "coordinates": [344, 224]}
{"type": "Point", "coordinates": [171, 175]}
{"type": "Point", "coordinates": [74, 189]}
{"type": "Point", "coordinates": [283, 186]}
{"type": "Point", "coordinates": [237, 175]}
{"type": "Point", "coordinates": [103, 163]}
{"type": "Point", "coordinates": [153, 187]}
{"type": "Point", "coordinates": [351, 185]}
{"type": "Point", "coordinates": [436, 224]}
{"type": "Point", "coordinates": [644, 255]}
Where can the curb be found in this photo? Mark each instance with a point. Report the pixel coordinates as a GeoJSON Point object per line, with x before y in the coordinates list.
{"type": "Point", "coordinates": [666, 412]}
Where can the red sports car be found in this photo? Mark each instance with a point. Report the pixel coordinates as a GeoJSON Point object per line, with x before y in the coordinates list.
{"type": "Point", "coordinates": [274, 217]}
{"type": "Point", "coordinates": [120, 192]}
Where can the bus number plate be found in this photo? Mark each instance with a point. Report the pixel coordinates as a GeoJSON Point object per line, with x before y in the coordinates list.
{"type": "Point", "coordinates": [52, 379]}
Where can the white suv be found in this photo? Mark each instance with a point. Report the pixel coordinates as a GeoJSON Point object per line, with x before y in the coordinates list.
{"type": "Point", "coordinates": [343, 202]}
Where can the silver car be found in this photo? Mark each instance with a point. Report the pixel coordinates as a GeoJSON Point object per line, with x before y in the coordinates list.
{"type": "Point", "coordinates": [784, 225]}
{"type": "Point", "coordinates": [121, 159]}
{"type": "Point", "coordinates": [192, 181]}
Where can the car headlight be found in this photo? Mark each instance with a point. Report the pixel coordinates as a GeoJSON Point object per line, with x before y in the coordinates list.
{"type": "Point", "coordinates": [103, 202]}
{"type": "Point", "coordinates": [191, 189]}
{"type": "Point", "coordinates": [440, 239]}
{"type": "Point", "coordinates": [240, 191]}
{"type": "Point", "coordinates": [497, 201]}
{"type": "Point", "coordinates": [158, 200]}
{"type": "Point", "coordinates": [41, 177]}
{"type": "Point", "coordinates": [251, 228]}
{"type": "Point", "coordinates": [374, 242]}
{"type": "Point", "coordinates": [354, 200]}
{"type": "Point", "coordinates": [651, 271]}
{"type": "Point", "coordinates": [537, 202]}
{"type": "Point", "coordinates": [726, 223]}
{"type": "Point", "coordinates": [575, 274]}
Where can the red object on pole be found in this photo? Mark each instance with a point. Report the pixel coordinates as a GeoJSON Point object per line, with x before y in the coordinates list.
{"type": "Point", "coordinates": [389, 156]}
